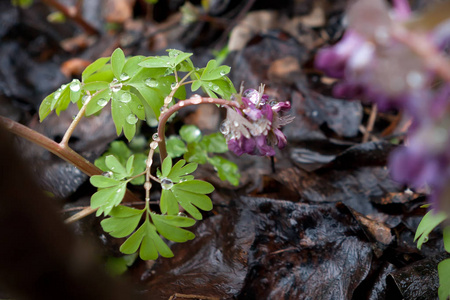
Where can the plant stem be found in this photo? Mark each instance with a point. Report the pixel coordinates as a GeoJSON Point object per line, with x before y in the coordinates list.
{"type": "Point", "coordinates": [188, 102]}
{"type": "Point", "coordinates": [73, 15]}
{"type": "Point", "coordinates": [420, 45]}
{"type": "Point", "coordinates": [64, 152]}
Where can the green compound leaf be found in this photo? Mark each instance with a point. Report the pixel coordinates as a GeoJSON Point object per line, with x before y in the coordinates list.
{"type": "Point", "coordinates": [214, 143]}
{"type": "Point", "coordinates": [149, 241]}
{"type": "Point", "coordinates": [121, 151]}
{"type": "Point", "coordinates": [175, 146]}
{"type": "Point", "coordinates": [428, 223]}
{"type": "Point", "coordinates": [179, 171]}
{"type": "Point", "coordinates": [94, 67]}
{"type": "Point", "coordinates": [444, 279]}
{"type": "Point", "coordinates": [190, 133]}
{"type": "Point", "coordinates": [106, 199]}
{"type": "Point", "coordinates": [45, 107]}
{"type": "Point", "coordinates": [57, 101]}
{"type": "Point", "coordinates": [123, 221]}
{"type": "Point", "coordinates": [188, 194]}
{"type": "Point", "coordinates": [167, 226]}
{"type": "Point", "coordinates": [212, 71]}
{"type": "Point", "coordinates": [171, 61]}
{"type": "Point", "coordinates": [117, 62]}
{"type": "Point", "coordinates": [226, 169]}
{"type": "Point", "coordinates": [196, 153]}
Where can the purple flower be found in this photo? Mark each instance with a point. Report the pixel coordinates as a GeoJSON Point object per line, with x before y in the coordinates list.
{"type": "Point", "coordinates": [255, 127]}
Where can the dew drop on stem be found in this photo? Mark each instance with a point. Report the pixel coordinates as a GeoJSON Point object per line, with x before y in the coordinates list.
{"type": "Point", "coordinates": [155, 137]}
{"type": "Point", "coordinates": [166, 183]}
{"type": "Point", "coordinates": [225, 128]}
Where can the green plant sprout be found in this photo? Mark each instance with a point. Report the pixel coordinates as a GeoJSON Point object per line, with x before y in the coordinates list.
{"type": "Point", "coordinates": [139, 89]}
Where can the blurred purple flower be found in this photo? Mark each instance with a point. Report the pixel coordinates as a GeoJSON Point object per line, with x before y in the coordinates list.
{"type": "Point", "coordinates": [255, 128]}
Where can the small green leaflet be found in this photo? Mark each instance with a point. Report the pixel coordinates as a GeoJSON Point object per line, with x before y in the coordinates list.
{"type": "Point", "coordinates": [428, 223]}
{"type": "Point", "coordinates": [94, 67]}
{"type": "Point", "coordinates": [171, 61]}
{"type": "Point", "coordinates": [444, 279]}
{"type": "Point", "coordinates": [121, 151]}
{"type": "Point", "coordinates": [146, 239]}
{"type": "Point", "coordinates": [117, 62]}
{"type": "Point", "coordinates": [111, 188]}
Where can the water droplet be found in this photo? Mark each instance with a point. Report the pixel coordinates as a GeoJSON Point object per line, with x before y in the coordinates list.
{"type": "Point", "coordinates": [168, 63]}
{"type": "Point", "coordinates": [215, 88]}
{"type": "Point", "coordinates": [132, 119]}
{"type": "Point", "coordinates": [102, 102]}
{"type": "Point", "coordinates": [196, 96]}
{"type": "Point", "coordinates": [74, 117]}
{"type": "Point", "coordinates": [415, 79]}
{"type": "Point", "coordinates": [124, 76]}
{"type": "Point", "coordinates": [225, 128]}
{"type": "Point", "coordinates": [75, 85]}
{"type": "Point", "coordinates": [273, 102]}
{"type": "Point", "coordinates": [236, 124]}
{"type": "Point", "coordinates": [125, 97]}
{"type": "Point", "coordinates": [147, 185]}
{"type": "Point", "coordinates": [183, 180]}
{"type": "Point", "coordinates": [181, 214]}
{"type": "Point", "coordinates": [57, 94]}
{"type": "Point", "coordinates": [222, 73]}
{"type": "Point", "coordinates": [425, 239]}
{"type": "Point", "coordinates": [210, 84]}
{"type": "Point", "coordinates": [140, 107]}
{"type": "Point", "coordinates": [108, 174]}
{"type": "Point", "coordinates": [166, 183]}
{"type": "Point", "coordinates": [116, 87]}
{"type": "Point", "coordinates": [173, 85]}
{"type": "Point", "coordinates": [119, 190]}
{"type": "Point", "coordinates": [151, 82]}
{"type": "Point", "coordinates": [155, 137]}
{"type": "Point", "coordinates": [153, 145]}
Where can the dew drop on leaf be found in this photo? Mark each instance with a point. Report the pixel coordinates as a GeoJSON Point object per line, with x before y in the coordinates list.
{"type": "Point", "coordinates": [181, 214]}
{"type": "Point", "coordinates": [140, 107]}
{"type": "Point", "coordinates": [166, 183]}
{"type": "Point", "coordinates": [215, 88]}
{"type": "Point", "coordinates": [75, 85]}
{"type": "Point", "coordinates": [108, 174]}
{"type": "Point", "coordinates": [57, 94]}
{"type": "Point", "coordinates": [124, 76]}
{"type": "Point", "coordinates": [222, 73]}
{"type": "Point", "coordinates": [102, 102]}
{"type": "Point", "coordinates": [151, 82]}
{"type": "Point", "coordinates": [125, 97]}
{"type": "Point", "coordinates": [132, 119]}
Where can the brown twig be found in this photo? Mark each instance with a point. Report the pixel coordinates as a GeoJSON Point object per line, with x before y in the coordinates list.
{"type": "Point", "coordinates": [73, 15]}
{"type": "Point", "coordinates": [188, 102]}
{"type": "Point", "coordinates": [370, 123]}
{"type": "Point", "coordinates": [188, 296]}
{"type": "Point", "coordinates": [62, 151]}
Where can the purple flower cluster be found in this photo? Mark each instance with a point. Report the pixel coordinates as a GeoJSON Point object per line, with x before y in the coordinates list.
{"type": "Point", "coordinates": [255, 128]}
{"type": "Point", "coordinates": [375, 64]}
